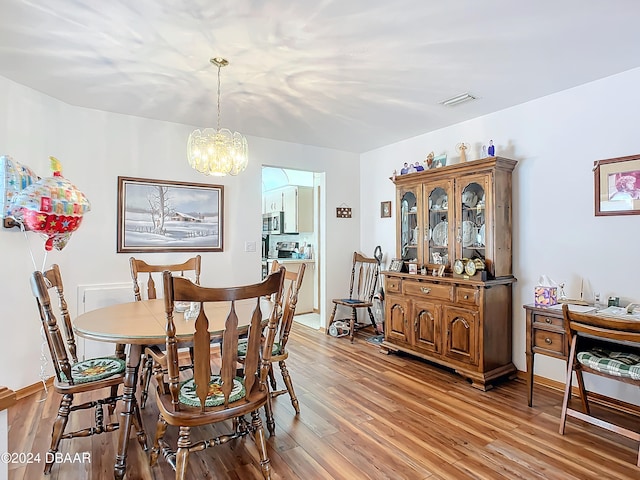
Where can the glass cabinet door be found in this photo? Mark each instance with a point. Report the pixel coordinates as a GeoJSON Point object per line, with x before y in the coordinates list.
{"type": "Point", "coordinates": [409, 226]}
{"type": "Point", "coordinates": [438, 226]}
{"type": "Point", "coordinates": [470, 236]}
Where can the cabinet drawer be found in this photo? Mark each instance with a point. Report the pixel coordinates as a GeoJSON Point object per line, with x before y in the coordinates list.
{"type": "Point", "coordinates": [547, 321]}
{"type": "Point", "coordinates": [431, 290]}
{"type": "Point", "coordinates": [467, 295]}
{"type": "Point", "coordinates": [393, 285]}
{"type": "Point", "coordinates": [550, 341]}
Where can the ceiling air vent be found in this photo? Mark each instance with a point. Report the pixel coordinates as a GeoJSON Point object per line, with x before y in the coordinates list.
{"type": "Point", "coordinates": [458, 99]}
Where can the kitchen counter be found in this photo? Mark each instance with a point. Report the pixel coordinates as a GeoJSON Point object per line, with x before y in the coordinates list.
{"type": "Point", "coordinates": [307, 289]}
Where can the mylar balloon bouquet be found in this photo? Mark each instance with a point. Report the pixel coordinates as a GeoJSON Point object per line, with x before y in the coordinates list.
{"type": "Point", "coordinates": [52, 206]}
{"type": "Point", "coordinates": [14, 177]}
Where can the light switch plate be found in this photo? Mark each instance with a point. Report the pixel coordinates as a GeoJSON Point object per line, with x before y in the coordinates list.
{"type": "Point", "coordinates": [249, 246]}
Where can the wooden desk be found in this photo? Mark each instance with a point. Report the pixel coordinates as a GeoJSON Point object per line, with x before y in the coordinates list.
{"type": "Point", "coordinates": [141, 324]}
{"type": "Point", "coordinates": [545, 335]}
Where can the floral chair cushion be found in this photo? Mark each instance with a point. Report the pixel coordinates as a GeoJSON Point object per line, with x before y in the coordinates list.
{"type": "Point", "coordinates": [94, 369]}
{"type": "Point", "coordinates": [215, 396]}
{"type": "Point", "coordinates": [619, 364]}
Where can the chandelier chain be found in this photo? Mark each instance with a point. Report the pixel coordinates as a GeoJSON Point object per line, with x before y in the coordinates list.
{"type": "Point", "coordinates": [218, 98]}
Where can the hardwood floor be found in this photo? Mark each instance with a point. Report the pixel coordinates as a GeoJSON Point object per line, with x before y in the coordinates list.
{"type": "Point", "coordinates": [364, 415]}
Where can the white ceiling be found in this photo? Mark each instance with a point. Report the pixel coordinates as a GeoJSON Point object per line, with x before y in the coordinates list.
{"type": "Point", "coordinates": [347, 74]}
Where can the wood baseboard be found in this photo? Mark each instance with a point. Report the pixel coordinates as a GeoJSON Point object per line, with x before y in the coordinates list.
{"type": "Point", "coordinates": [603, 400]}
{"type": "Point", "coordinates": [7, 398]}
{"type": "Point", "coordinates": [34, 388]}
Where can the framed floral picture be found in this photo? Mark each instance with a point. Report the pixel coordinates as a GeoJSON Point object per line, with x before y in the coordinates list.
{"type": "Point", "coordinates": [166, 216]}
{"type": "Point", "coordinates": [617, 186]}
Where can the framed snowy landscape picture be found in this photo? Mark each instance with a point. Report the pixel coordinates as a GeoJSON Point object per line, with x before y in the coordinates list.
{"type": "Point", "coordinates": [163, 216]}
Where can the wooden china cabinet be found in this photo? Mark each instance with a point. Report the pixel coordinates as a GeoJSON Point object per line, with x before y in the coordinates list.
{"type": "Point", "coordinates": [461, 320]}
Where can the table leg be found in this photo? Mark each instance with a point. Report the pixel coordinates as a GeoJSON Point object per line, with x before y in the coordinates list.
{"type": "Point", "coordinates": [126, 416]}
{"type": "Point", "coordinates": [530, 378]}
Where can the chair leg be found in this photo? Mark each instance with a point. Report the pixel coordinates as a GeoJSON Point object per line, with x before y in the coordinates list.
{"type": "Point", "coordinates": [372, 319]}
{"type": "Point", "coordinates": [261, 443]}
{"type": "Point", "coordinates": [58, 429]}
{"type": "Point", "coordinates": [145, 380]}
{"type": "Point", "coordinates": [287, 381]}
{"type": "Point", "coordinates": [583, 392]}
{"type": "Point", "coordinates": [268, 410]}
{"type": "Point", "coordinates": [332, 318]}
{"type": "Point", "coordinates": [352, 324]}
{"type": "Point", "coordinates": [140, 433]}
{"type": "Point", "coordinates": [272, 378]}
{"type": "Point", "coordinates": [114, 393]}
{"type": "Point", "coordinates": [182, 454]}
{"type": "Point", "coordinates": [567, 387]}
{"type": "Point", "coordinates": [161, 428]}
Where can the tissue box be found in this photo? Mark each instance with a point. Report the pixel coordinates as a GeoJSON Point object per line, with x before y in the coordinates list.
{"type": "Point", "coordinates": [546, 296]}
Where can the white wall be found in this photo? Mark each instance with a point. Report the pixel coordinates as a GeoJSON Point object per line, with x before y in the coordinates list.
{"type": "Point", "coordinates": [94, 148]}
{"type": "Point", "coordinates": [555, 139]}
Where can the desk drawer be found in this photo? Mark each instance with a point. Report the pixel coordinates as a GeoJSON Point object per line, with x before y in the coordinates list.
{"type": "Point", "coordinates": [393, 285]}
{"type": "Point", "coordinates": [550, 341]}
{"type": "Point", "coordinates": [425, 289]}
{"type": "Point", "coordinates": [547, 321]}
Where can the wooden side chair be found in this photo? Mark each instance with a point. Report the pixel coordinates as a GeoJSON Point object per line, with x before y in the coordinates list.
{"type": "Point", "coordinates": [362, 287]}
{"type": "Point", "coordinates": [73, 377]}
{"type": "Point", "coordinates": [596, 346]}
{"type": "Point", "coordinates": [286, 305]}
{"type": "Point", "coordinates": [232, 393]}
{"type": "Point", "coordinates": [139, 267]}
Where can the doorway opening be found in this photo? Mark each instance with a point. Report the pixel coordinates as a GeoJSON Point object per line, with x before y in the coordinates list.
{"type": "Point", "coordinates": [297, 198]}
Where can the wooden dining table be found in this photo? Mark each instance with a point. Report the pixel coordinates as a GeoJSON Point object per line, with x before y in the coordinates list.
{"type": "Point", "coordinates": [141, 324]}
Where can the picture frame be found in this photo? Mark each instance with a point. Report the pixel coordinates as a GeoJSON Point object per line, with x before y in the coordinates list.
{"type": "Point", "coordinates": [168, 216]}
{"type": "Point", "coordinates": [385, 209]}
{"type": "Point", "coordinates": [396, 265]}
{"type": "Point", "coordinates": [439, 161]}
{"type": "Point", "coordinates": [413, 268]}
{"type": "Point", "coordinates": [617, 186]}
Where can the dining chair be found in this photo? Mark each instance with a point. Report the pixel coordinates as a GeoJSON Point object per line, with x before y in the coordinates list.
{"type": "Point", "coordinates": [362, 287]}
{"type": "Point", "coordinates": [286, 305]}
{"type": "Point", "coordinates": [139, 267]}
{"type": "Point", "coordinates": [208, 398]}
{"type": "Point", "coordinates": [74, 377]}
{"type": "Point", "coordinates": [597, 346]}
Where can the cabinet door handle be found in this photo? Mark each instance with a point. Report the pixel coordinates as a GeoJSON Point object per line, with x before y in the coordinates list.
{"type": "Point", "coordinates": [425, 289]}
{"type": "Point", "coordinates": [466, 297]}
{"type": "Point", "coordinates": [548, 320]}
{"type": "Point", "coordinates": [548, 341]}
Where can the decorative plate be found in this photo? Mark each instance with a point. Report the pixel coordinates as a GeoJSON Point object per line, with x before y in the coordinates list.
{"type": "Point", "coordinates": [468, 233]}
{"type": "Point", "coordinates": [215, 396]}
{"type": "Point", "coordinates": [481, 233]}
{"type": "Point", "coordinates": [469, 198]}
{"type": "Point", "coordinates": [441, 234]}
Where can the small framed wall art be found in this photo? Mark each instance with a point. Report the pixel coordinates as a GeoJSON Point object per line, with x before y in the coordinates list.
{"type": "Point", "coordinates": [385, 209]}
{"type": "Point", "coordinates": [617, 186]}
